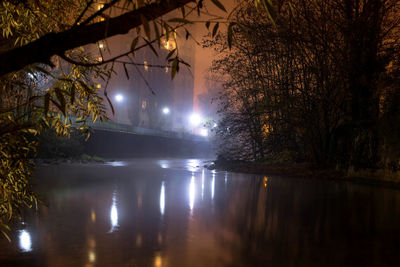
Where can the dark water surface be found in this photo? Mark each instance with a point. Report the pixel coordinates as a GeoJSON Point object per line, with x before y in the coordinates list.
{"type": "Point", "coordinates": [175, 213]}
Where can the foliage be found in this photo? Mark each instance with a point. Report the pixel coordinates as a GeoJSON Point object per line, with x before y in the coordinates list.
{"type": "Point", "coordinates": [295, 83]}
{"type": "Point", "coordinates": [57, 71]}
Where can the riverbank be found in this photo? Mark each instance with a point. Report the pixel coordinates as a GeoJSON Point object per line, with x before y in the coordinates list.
{"type": "Point", "coordinates": [308, 171]}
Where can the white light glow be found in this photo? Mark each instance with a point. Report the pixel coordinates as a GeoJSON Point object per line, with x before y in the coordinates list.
{"type": "Point", "coordinates": [116, 163]}
{"type": "Point", "coordinates": [162, 198]}
{"type": "Point", "coordinates": [166, 110]}
{"type": "Point", "coordinates": [193, 165]}
{"type": "Point", "coordinates": [215, 125]}
{"type": "Point", "coordinates": [119, 98]}
{"type": "Point", "coordinates": [114, 214]}
{"type": "Point", "coordinates": [163, 164]}
{"type": "Point", "coordinates": [204, 132]}
{"type": "Point", "coordinates": [25, 242]}
{"type": "Point", "coordinates": [30, 75]}
{"type": "Point", "coordinates": [192, 193]}
{"type": "Point", "coordinates": [195, 119]}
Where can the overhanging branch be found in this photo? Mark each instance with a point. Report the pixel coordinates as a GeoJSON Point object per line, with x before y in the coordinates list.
{"type": "Point", "coordinates": [41, 50]}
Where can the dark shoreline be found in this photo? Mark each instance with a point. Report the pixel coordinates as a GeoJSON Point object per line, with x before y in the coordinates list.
{"type": "Point", "coordinates": [309, 171]}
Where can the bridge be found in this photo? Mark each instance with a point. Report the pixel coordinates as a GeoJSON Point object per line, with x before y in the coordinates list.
{"type": "Point", "coordinates": [110, 139]}
{"type": "Point", "coordinates": [130, 129]}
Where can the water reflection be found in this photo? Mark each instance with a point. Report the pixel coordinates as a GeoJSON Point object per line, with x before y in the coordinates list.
{"type": "Point", "coordinates": [213, 186]}
{"type": "Point", "coordinates": [193, 164]}
{"type": "Point", "coordinates": [116, 163]}
{"type": "Point", "coordinates": [191, 193]}
{"type": "Point", "coordinates": [202, 184]}
{"type": "Point", "coordinates": [162, 198]}
{"type": "Point", "coordinates": [158, 260]}
{"type": "Point", "coordinates": [114, 214]}
{"type": "Point", "coordinates": [163, 164]}
{"type": "Point", "coordinates": [25, 243]}
{"type": "Point", "coordinates": [92, 256]}
{"type": "Point", "coordinates": [255, 221]}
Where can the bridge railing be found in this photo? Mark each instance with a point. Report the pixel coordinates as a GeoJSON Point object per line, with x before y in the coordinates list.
{"type": "Point", "coordinates": [120, 127]}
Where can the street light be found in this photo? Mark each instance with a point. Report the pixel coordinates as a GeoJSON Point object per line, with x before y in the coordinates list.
{"type": "Point", "coordinates": [119, 97]}
{"type": "Point", "coordinates": [166, 110]}
{"type": "Point", "coordinates": [195, 119]}
{"type": "Point", "coordinates": [204, 132]}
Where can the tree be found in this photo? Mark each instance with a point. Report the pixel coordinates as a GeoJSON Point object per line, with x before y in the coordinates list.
{"type": "Point", "coordinates": [50, 72]}
{"type": "Point", "coordinates": [299, 80]}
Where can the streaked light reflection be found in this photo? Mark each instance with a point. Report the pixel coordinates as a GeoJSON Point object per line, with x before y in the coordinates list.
{"type": "Point", "coordinates": [114, 214]}
{"type": "Point", "coordinates": [162, 198]}
{"type": "Point", "coordinates": [93, 216]}
{"type": "Point", "coordinates": [25, 242]}
{"type": "Point", "coordinates": [157, 260]}
{"type": "Point", "coordinates": [202, 184]}
{"type": "Point", "coordinates": [139, 240]}
{"type": "Point", "coordinates": [265, 181]}
{"type": "Point", "coordinates": [191, 193]}
{"type": "Point", "coordinates": [116, 163]}
{"type": "Point", "coordinates": [212, 186]}
{"type": "Point", "coordinates": [92, 256]}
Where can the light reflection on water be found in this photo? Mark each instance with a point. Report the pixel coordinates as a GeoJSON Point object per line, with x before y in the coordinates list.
{"type": "Point", "coordinates": [116, 163]}
{"type": "Point", "coordinates": [114, 214]}
{"type": "Point", "coordinates": [162, 198]}
{"type": "Point", "coordinates": [213, 186]}
{"type": "Point", "coordinates": [192, 193]}
{"type": "Point", "coordinates": [25, 242]}
{"type": "Point", "coordinates": [231, 220]}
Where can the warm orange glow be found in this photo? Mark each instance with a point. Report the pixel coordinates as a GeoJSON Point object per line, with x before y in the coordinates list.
{"type": "Point", "coordinates": [169, 45]}
{"type": "Point", "coordinates": [92, 213]}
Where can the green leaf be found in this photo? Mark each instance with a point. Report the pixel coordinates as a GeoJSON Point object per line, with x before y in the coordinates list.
{"type": "Point", "coordinates": [166, 27]}
{"type": "Point", "coordinates": [187, 34]}
{"type": "Point", "coordinates": [170, 53]}
{"type": "Point", "coordinates": [126, 71]}
{"type": "Point", "coordinates": [219, 5]}
{"type": "Point", "coordinates": [6, 235]}
{"type": "Point", "coordinates": [215, 29]}
{"type": "Point", "coordinates": [175, 66]}
{"type": "Point", "coordinates": [270, 11]}
{"type": "Point", "coordinates": [134, 43]}
{"type": "Point", "coordinates": [146, 25]}
{"type": "Point", "coordinates": [157, 34]}
{"type": "Point", "coordinates": [61, 99]}
{"type": "Point", "coordinates": [184, 62]}
{"type": "Point", "coordinates": [85, 87]}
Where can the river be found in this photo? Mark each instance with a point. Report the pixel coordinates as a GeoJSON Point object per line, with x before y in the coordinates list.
{"type": "Point", "coordinates": [174, 212]}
